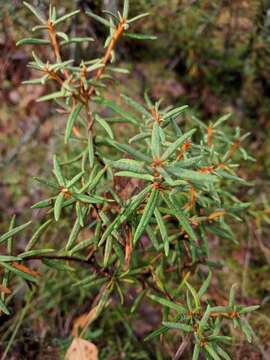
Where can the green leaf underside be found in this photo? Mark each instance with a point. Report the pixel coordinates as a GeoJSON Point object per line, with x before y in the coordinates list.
{"type": "Point", "coordinates": [147, 214]}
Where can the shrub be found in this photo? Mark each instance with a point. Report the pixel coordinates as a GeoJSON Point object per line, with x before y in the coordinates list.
{"type": "Point", "coordinates": [149, 198]}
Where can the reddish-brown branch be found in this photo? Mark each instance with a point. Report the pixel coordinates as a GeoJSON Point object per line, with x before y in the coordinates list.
{"type": "Point", "coordinates": [55, 46]}
{"type": "Point", "coordinates": [119, 31]}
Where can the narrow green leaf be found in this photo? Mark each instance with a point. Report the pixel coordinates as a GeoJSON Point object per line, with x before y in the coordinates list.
{"type": "Point", "coordinates": [96, 180]}
{"type": "Point", "coordinates": [35, 11]}
{"type": "Point", "coordinates": [249, 309]}
{"type": "Point", "coordinates": [147, 214]}
{"type": "Point", "coordinates": [134, 175]}
{"type": "Point", "coordinates": [36, 252]}
{"type": "Point", "coordinates": [81, 245]}
{"type": "Point", "coordinates": [99, 19]}
{"type": "Point", "coordinates": [126, 9]}
{"type": "Point", "coordinates": [14, 231]}
{"type": "Point", "coordinates": [9, 258]}
{"type": "Point", "coordinates": [120, 293]}
{"type": "Point", "coordinates": [174, 325]}
{"type": "Point", "coordinates": [119, 252]}
{"type": "Point", "coordinates": [3, 308]}
{"type": "Point", "coordinates": [181, 217]}
{"type": "Point", "coordinates": [222, 353]}
{"type": "Point", "coordinates": [212, 352]}
{"type": "Point", "coordinates": [246, 328]}
{"type": "Point", "coordinates": [138, 17]}
{"type": "Point", "coordinates": [88, 199]}
{"type": "Point", "coordinates": [163, 231]}
{"type": "Point", "coordinates": [48, 183]}
{"type": "Point", "coordinates": [204, 319]}
{"type": "Point", "coordinates": [196, 352]}
{"type": "Point", "coordinates": [194, 295]}
{"type": "Point", "coordinates": [174, 146]}
{"type": "Point", "coordinates": [75, 179]}
{"type": "Point", "coordinates": [155, 141]}
{"type": "Point", "coordinates": [221, 120]}
{"type": "Point", "coordinates": [107, 251]}
{"type": "Point", "coordinates": [52, 96]}
{"type": "Point", "coordinates": [62, 35]}
{"type": "Point", "coordinates": [131, 151]}
{"type": "Point", "coordinates": [20, 273]}
{"type": "Point", "coordinates": [113, 15]}
{"type": "Point", "coordinates": [80, 217]}
{"type": "Point", "coordinates": [43, 203]}
{"type": "Point", "coordinates": [32, 41]}
{"type": "Point", "coordinates": [40, 27]}
{"type": "Point", "coordinates": [140, 36]}
{"type": "Point", "coordinates": [105, 125]}
{"type": "Point", "coordinates": [118, 70]}
{"type": "Point", "coordinates": [129, 209]}
{"type": "Point", "coordinates": [112, 105]}
{"type": "Point", "coordinates": [226, 175]}
{"type": "Point", "coordinates": [196, 176]}
{"type": "Point", "coordinates": [91, 154]}
{"type": "Point", "coordinates": [136, 105]}
{"type": "Point", "coordinates": [220, 309]}
{"type": "Point", "coordinates": [219, 338]}
{"type": "Point", "coordinates": [57, 171]}
{"type": "Point", "coordinates": [205, 285]}
{"type": "Point", "coordinates": [52, 12]}
{"type": "Point", "coordinates": [156, 333]}
{"type": "Point", "coordinates": [65, 17]}
{"type": "Point", "coordinates": [71, 120]}
{"type": "Point", "coordinates": [175, 112]}
{"type": "Point", "coordinates": [40, 81]}
{"type": "Point", "coordinates": [74, 234]}
{"type": "Point", "coordinates": [128, 165]}
{"type": "Point", "coordinates": [152, 237]}
{"type": "Point", "coordinates": [76, 40]}
{"type": "Point", "coordinates": [232, 295]}
{"type": "Point", "coordinates": [103, 301]}
{"type": "Point", "coordinates": [165, 175]}
{"type": "Point", "coordinates": [138, 301]}
{"type": "Point", "coordinates": [220, 232]}
{"type": "Point", "coordinates": [59, 266]}
{"type": "Point", "coordinates": [10, 239]}
{"type": "Point", "coordinates": [178, 166]}
{"type": "Point", "coordinates": [58, 205]}
{"type": "Point", "coordinates": [168, 303]}
{"type": "Point", "coordinates": [139, 137]}
{"type": "Point", "coordinates": [34, 239]}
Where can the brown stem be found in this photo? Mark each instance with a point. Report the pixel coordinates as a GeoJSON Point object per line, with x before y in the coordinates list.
{"type": "Point", "coordinates": [59, 257]}
{"type": "Point", "coordinates": [91, 261]}
{"type": "Point", "coordinates": [55, 46]}
{"type": "Point", "coordinates": [120, 29]}
{"type": "Point", "coordinates": [182, 347]}
{"type": "Point", "coordinates": [89, 115]}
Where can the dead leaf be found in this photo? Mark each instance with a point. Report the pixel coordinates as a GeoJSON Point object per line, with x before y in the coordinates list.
{"type": "Point", "coordinates": [25, 269]}
{"type": "Point", "coordinates": [4, 290]}
{"type": "Point", "coordinates": [128, 247]}
{"type": "Point", "coordinates": [83, 321]}
{"type": "Point", "coordinates": [81, 349]}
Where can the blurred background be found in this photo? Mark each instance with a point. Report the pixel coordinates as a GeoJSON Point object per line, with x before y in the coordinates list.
{"type": "Point", "coordinates": [213, 55]}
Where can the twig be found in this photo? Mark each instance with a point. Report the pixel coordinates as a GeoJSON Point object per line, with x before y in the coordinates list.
{"type": "Point", "coordinates": [90, 261]}
{"type": "Point", "coordinates": [119, 31]}
{"type": "Point", "coordinates": [55, 46]}
{"type": "Point", "coordinates": [182, 348]}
